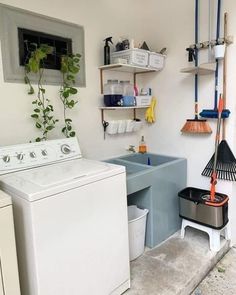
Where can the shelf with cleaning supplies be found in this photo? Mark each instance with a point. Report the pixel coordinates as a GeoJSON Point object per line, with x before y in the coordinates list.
{"type": "Point", "coordinates": [128, 68]}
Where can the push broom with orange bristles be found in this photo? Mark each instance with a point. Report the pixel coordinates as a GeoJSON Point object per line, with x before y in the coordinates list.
{"type": "Point", "coordinates": [196, 125]}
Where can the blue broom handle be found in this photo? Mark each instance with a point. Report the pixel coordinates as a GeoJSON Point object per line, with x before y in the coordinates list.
{"type": "Point", "coordinates": [218, 20]}
{"type": "Point", "coordinates": [196, 57]}
{"type": "Point", "coordinates": [217, 62]}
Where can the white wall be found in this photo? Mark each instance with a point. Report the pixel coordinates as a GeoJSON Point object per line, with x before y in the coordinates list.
{"type": "Point", "coordinates": [100, 19]}
{"type": "Point", "coordinates": [160, 23]}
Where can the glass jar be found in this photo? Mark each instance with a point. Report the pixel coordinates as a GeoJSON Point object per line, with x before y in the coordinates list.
{"type": "Point", "coordinates": [112, 92]}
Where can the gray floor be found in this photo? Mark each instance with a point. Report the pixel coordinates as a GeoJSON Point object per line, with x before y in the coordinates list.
{"type": "Point", "coordinates": [176, 267]}
{"type": "Point", "coordinates": [222, 279]}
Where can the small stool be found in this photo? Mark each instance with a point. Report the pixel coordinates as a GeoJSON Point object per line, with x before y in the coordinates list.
{"type": "Point", "coordinates": [214, 234]}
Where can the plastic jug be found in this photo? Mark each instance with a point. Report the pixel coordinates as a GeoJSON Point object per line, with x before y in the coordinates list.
{"type": "Point", "coordinates": [112, 94]}
{"type": "Point", "coordinates": [128, 93]}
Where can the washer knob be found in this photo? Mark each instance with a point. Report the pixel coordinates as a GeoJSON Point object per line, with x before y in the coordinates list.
{"type": "Point", "coordinates": [65, 148]}
{"type": "Point", "coordinates": [20, 156]}
{"type": "Point", "coordinates": [44, 152]}
{"type": "Point", "coordinates": [32, 155]}
{"type": "Point", "coordinates": [6, 159]}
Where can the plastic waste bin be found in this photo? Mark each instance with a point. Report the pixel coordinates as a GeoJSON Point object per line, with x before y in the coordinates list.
{"type": "Point", "coordinates": [137, 228]}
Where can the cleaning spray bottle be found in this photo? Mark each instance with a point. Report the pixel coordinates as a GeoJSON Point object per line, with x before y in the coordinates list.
{"type": "Point", "coordinates": [142, 146]}
{"type": "Point", "coordinates": [107, 50]}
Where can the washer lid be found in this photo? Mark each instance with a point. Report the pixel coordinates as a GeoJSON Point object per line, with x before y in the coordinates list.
{"type": "Point", "coordinates": [37, 183]}
{"type": "Point", "coordinates": [56, 174]}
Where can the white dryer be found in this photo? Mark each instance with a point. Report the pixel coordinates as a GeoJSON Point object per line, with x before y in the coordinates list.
{"type": "Point", "coordinates": [70, 219]}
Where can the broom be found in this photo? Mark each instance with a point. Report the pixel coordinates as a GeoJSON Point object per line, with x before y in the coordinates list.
{"type": "Point", "coordinates": [226, 162]}
{"type": "Point", "coordinates": [208, 113]}
{"type": "Point", "coordinates": [196, 125]}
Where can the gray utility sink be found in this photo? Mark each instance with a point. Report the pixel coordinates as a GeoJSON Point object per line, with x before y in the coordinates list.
{"type": "Point", "coordinates": [153, 182]}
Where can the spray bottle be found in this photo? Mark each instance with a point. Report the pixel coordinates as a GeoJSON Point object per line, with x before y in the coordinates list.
{"type": "Point", "coordinates": [107, 50]}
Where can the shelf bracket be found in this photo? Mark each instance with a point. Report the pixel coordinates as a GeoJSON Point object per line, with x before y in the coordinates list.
{"type": "Point", "coordinates": [102, 115]}
{"type": "Point", "coordinates": [101, 80]}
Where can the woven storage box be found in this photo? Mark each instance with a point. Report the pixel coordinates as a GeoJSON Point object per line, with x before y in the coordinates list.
{"type": "Point", "coordinates": [156, 60]}
{"type": "Point", "coordinates": [138, 57]}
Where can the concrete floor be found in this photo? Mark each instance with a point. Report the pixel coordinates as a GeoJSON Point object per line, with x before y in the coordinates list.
{"type": "Point", "coordinates": [175, 267]}
{"type": "Point", "coordinates": [222, 279]}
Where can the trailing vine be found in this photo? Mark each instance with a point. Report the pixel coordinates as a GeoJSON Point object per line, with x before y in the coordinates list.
{"type": "Point", "coordinates": [43, 109]}
{"type": "Point", "coordinates": [69, 69]}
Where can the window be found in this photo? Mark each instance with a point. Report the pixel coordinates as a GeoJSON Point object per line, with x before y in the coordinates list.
{"type": "Point", "coordinates": [28, 39]}
{"type": "Point", "coordinates": [18, 25]}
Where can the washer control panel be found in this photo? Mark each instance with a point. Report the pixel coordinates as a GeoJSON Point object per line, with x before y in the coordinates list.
{"type": "Point", "coordinates": [29, 155]}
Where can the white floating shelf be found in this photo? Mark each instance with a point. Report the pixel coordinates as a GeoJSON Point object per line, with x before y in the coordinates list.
{"type": "Point", "coordinates": [128, 68]}
{"type": "Point", "coordinates": [203, 69]}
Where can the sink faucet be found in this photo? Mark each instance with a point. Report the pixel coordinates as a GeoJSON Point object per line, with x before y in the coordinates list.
{"type": "Point", "coordinates": [131, 148]}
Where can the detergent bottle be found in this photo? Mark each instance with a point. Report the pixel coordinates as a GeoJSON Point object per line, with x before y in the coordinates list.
{"type": "Point", "coordinates": [142, 146]}
{"type": "Point", "coordinates": [107, 60]}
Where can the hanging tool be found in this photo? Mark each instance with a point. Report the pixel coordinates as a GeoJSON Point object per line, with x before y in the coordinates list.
{"type": "Point", "coordinates": [191, 54]}
{"type": "Point", "coordinates": [213, 113]}
{"type": "Point", "coordinates": [196, 125]}
{"type": "Point", "coordinates": [105, 125]}
{"type": "Point", "coordinates": [226, 162]}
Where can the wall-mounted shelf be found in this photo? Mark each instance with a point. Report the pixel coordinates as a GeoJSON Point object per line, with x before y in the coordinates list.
{"type": "Point", "coordinates": [203, 69]}
{"type": "Point", "coordinates": [134, 108]}
{"type": "Point", "coordinates": [135, 70]}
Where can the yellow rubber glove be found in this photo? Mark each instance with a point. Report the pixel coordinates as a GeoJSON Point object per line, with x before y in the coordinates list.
{"type": "Point", "coordinates": [150, 112]}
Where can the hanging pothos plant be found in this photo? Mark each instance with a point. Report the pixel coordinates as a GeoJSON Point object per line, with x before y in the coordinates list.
{"type": "Point", "coordinates": [69, 69]}
{"type": "Point", "coordinates": [43, 109]}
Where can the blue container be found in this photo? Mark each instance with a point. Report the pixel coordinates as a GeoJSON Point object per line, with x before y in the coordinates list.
{"type": "Point", "coordinates": [128, 101]}
{"type": "Point", "coordinates": [113, 100]}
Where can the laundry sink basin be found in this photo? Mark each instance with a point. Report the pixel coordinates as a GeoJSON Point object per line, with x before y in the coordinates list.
{"type": "Point", "coordinates": [153, 182]}
{"type": "Point", "coordinates": [148, 159]}
{"type": "Point", "coordinates": [131, 168]}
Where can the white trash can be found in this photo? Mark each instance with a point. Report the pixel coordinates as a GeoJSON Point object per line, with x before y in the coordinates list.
{"type": "Point", "coordinates": [137, 229]}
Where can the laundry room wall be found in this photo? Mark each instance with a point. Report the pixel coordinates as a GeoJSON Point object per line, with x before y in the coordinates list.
{"type": "Point", "coordinates": [100, 19]}
{"type": "Point", "coordinates": [172, 26]}
{"type": "Point", "coordinates": [160, 23]}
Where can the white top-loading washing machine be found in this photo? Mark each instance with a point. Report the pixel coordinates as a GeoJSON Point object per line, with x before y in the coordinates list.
{"type": "Point", "coordinates": [70, 219]}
